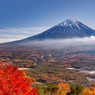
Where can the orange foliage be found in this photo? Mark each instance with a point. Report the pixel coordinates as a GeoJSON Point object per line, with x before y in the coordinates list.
{"type": "Point", "coordinates": [89, 91]}
{"type": "Point", "coordinates": [63, 89]}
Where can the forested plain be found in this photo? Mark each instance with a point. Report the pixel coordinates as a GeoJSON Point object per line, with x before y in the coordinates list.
{"type": "Point", "coordinates": [49, 65]}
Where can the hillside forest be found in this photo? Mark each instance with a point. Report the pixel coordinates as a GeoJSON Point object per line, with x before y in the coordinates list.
{"type": "Point", "coordinates": [53, 67]}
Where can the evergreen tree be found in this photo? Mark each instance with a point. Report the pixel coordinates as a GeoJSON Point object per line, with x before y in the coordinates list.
{"type": "Point", "coordinates": [40, 92]}
{"type": "Point", "coordinates": [75, 90]}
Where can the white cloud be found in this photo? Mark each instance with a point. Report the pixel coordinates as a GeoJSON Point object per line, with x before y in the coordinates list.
{"type": "Point", "coordinates": [57, 43]}
{"type": "Point", "coordinates": [7, 40]}
{"type": "Point", "coordinates": [16, 36]}
{"type": "Point", "coordinates": [24, 30]}
{"type": "Point", "coordinates": [11, 34]}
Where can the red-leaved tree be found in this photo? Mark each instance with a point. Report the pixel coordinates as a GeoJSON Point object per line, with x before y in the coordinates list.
{"type": "Point", "coordinates": [14, 82]}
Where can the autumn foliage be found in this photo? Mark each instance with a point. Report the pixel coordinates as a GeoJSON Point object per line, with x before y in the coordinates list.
{"type": "Point", "coordinates": [63, 89]}
{"type": "Point", "coordinates": [14, 82]}
{"type": "Point", "coordinates": [89, 91]}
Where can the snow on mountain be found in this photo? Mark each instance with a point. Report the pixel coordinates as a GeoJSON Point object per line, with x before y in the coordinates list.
{"type": "Point", "coordinates": [70, 23]}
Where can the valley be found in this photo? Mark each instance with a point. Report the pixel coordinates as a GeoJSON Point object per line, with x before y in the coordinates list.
{"type": "Point", "coordinates": [49, 66]}
{"type": "Point", "coordinates": [64, 53]}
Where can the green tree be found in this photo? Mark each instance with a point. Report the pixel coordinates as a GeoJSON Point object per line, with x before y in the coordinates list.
{"type": "Point", "coordinates": [75, 90]}
{"type": "Point", "coordinates": [50, 89]}
{"type": "Point", "coordinates": [40, 91]}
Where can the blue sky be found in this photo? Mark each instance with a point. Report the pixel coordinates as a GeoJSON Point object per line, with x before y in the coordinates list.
{"type": "Point", "coordinates": [20, 19]}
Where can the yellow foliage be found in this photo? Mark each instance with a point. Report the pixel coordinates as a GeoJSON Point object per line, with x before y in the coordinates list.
{"type": "Point", "coordinates": [24, 74]}
{"type": "Point", "coordinates": [63, 89]}
{"type": "Point", "coordinates": [87, 91]}
{"type": "Point", "coordinates": [33, 80]}
{"type": "Point", "coordinates": [64, 86]}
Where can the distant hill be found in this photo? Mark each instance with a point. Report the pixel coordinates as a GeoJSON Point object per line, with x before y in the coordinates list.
{"type": "Point", "coordinates": [68, 29]}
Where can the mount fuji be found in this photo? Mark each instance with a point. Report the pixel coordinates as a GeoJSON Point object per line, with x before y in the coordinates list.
{"type": "Point", "coordinates": [70, 28]}
{"type": "Point", "coordinates": [67, 29]}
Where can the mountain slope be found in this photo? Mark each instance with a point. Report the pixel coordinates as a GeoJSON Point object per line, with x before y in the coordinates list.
{"type": "Point", "coordinates": [68, 29]}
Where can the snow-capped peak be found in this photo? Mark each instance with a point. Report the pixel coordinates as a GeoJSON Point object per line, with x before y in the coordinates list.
{"type": "Point", "coordinates": [70, 22]}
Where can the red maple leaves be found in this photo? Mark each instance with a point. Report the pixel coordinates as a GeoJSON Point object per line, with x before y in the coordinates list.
{"type": "Point", "coordinates": [14, 82]}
